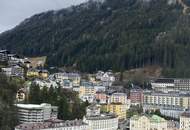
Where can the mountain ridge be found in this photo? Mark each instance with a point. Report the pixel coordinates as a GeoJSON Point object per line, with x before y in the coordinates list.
{"type": "Point", "coordinates": [116, 35]}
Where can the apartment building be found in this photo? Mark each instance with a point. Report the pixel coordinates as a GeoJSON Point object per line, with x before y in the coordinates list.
{"type": "Point", "coordinates": [182, 84]}
{"type": "Point", "coordinates": [147, 122]}
{"type": "Point", "coordinates": [74, 77]}
{"type": "Point", "coordinates": [169, 84]}
{"type": "Point", "coordinates": [119, 98]}
{"type": "Point", "coordinates": [185, 121]}
{"type": "Point", "coordinates": [30, 113]}
{"type": "Point", "coordinates": [136, 96]}
{"type": "Point", "coordinates": [86, 88]}
{"type": "Point", "coordinates": [166, 100]}
{"type": "Point", "coordinates": [100, 121]}
{"type": "Point", "coordinates": [116, 108]}
{"type": "Point", "coordinates": [3, 55]}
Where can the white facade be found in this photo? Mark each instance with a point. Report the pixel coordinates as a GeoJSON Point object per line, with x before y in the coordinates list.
{"type": "Point", "coordinates": [98, 121]}
{"type": "Point", "coordinates": [99, 88]}
{"type": "Point", "coordinates": [102, 122]}
{"type": "Point", "coordinates": [147, 123]}
{"type": "Point", "coordinates": [30, 113]}
{"type": "Point", "coordinates": [93, 110]}
{"type": "Point", "coordinates": [88, 97]}
{"type": "Point", "coordinates": [174, 113]}
{"type": "Point", "coordinates": [45, 83]}
{"type": "Point", "coordinates": [7, 71]}
{"type": "Point", "coordinates": [185, 121]}
{"type": "Point", "coordinates": [55, 125]}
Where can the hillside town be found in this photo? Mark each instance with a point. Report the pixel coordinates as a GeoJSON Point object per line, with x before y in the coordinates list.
{"type": "Point", "coordinates": [164, 106]}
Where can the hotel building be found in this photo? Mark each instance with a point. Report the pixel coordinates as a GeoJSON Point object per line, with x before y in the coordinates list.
{"type": "Point", "coordinates": [146, 122]}
{"type": "Point", "coordinates": [30, 113]}
{"type": "Point", "coordinates": [100, 121]}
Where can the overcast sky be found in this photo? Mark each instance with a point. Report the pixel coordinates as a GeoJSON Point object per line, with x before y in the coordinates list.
{"type": "Point", "coordinates": [12, 12]}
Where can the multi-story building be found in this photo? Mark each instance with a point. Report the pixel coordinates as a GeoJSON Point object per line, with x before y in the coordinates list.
{"type": "Point", "coordinates": [146, 122]}
{"type": "Point", "coordinates": [107, 78]}
{"type": "Point", "coordinates": [118, 98]}
{"type": "Point", "coordinates": [7, 71]}
{"type": "Point", "coordinates": [66, 83]}
{"type": "Point", "coordinates": [171, 100]}
{"type": "Point", "coordinates": [173, 113]}
{"type": "Point", "coordinates": [86, 88]}
{"type": "Point", "coordinates": [37, 73]}
{"type": "Point", "coordinates": [163, 84]}
{"type": "Point", "coordinates": [74, 77]}
{"type": "Point", "coordinates": [100, 121]}
{"type": "Point", "coordinates": [45, 83]}
{"type": "Point", "coordinates": [169, 84]}
{"type": "Point", "coordinates": [116, 108]}
{"type": "Point", "coordinates": [4, 55]}
{"type": "Point", "coordinates": [21, 95]}
{"type": "Point", "coordinates": [182, 84]}
{"type": "Point", "coordinates": [88, 97]}
{"type": "Point", "coordinates": [54, 125]}
{"type": "Point", "coordinates": [30, 113]}
{"type": "Point", "coordinates": [17, 71]}
{"type": "Point", "coordinates": [99, 87]}
{"type": "Point", "coordinates": [102, 97]}
{"type": "Point", "coordinates": [185, 121]}
{"type": "Point", "coordinates": [136, 96]}
{"type": "Point", "coordinates": [93, 110]}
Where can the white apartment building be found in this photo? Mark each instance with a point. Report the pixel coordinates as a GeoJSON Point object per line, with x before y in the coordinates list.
{"type": "Point", "coordinates": [162, 84]}
{"type": "Point", "coordinates": [30, 113]}
{"type": "Point", "coordinates": [146, 122]}
{"type": "Point", "coordinates": [55, 125]}
{"type": "Point", "coordinates": [169, 84]}
{"type": "Point", "coordinates": [185, 121]}
{"type": "Point", "coordinates": [173, 113]}
{"type": "Point", "coordinates": [88, 97]}
{"type": "Point", "coordinates": [100, 121]}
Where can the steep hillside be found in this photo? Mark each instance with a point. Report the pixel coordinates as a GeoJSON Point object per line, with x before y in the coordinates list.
{"type": "Point", "coordinates": [109, 34]}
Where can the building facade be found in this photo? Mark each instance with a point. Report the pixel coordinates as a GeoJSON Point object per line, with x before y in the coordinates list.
{"type": "Point", "coordinates": [118, 98]}
{"type": "Point", "coordinates": [30, 113]}
{"type": "Point", "coordinates": [185, 121]}
{"type": "Point", "coordinates": [55, 125]}
{"type": "Point", "coordinates": [136, 96]}
{"type": "Point", "coordinates": [86, 88]}
{"type": "Point", "coordinates": [116, 108]}
{"type": "Point", "coordinates": [100, 121]}
{"type": "Point", "coordinates": [166, 100]}
{"type": "Point", "coordinates": [146, 122]}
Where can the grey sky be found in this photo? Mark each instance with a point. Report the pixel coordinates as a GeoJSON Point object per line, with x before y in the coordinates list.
{"type": "Point", "coordinates": [12, 12]}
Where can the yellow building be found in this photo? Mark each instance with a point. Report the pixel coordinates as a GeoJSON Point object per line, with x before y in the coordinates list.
{"type": "Point", "coordinates": [43, 74]}
{"type": "Point", "coordinates": [37, 73]}
{"type": "Point", "coordinates": [86, 88]}
{"type": "Point", "coordinates": [118, 98]}
{"type": "Point", "coordinates": [146, 122]}
{"type": "Point", "coordinates": [32, 73]}
{"type": "Point", "coordinates": [185, 121]}
{"type": "Point", "coordinates": [161, 99]}
{"type": "Point", "coordinates": [117, 108]}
